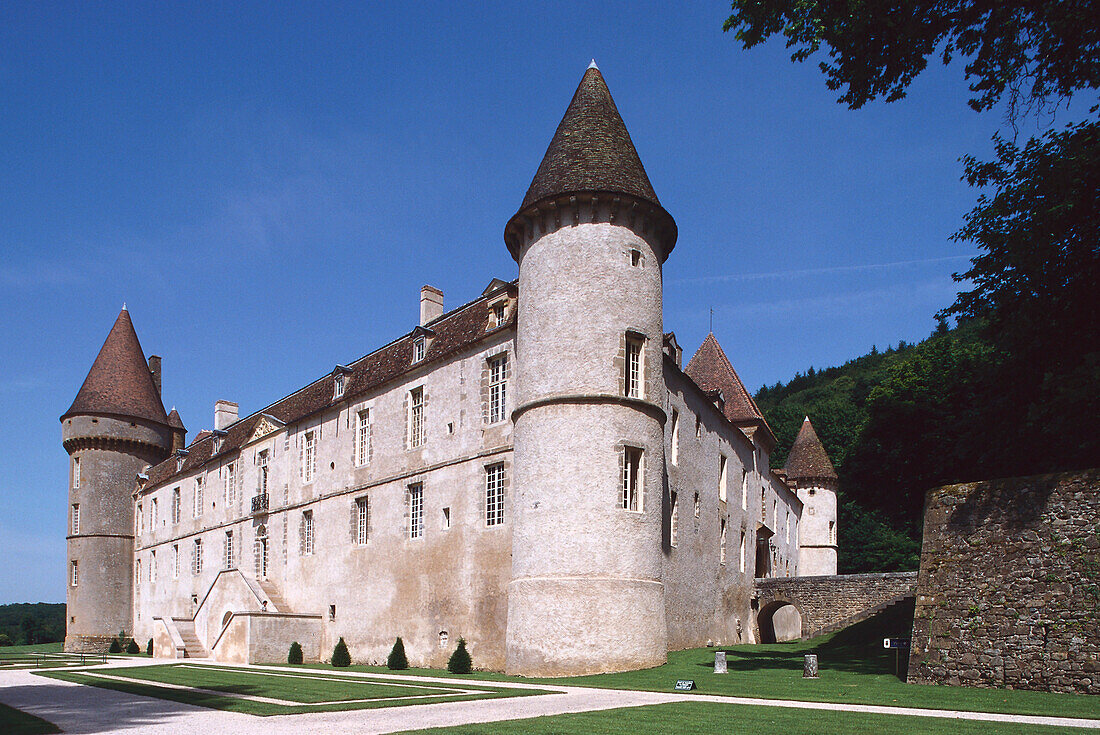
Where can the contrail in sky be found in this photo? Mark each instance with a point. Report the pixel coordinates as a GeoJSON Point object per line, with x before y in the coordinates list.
{"type": "Point", "coordinates": [816, 271]}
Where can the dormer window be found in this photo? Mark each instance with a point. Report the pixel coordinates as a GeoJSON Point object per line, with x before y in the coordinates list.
{"type": "Point", "coordinates": [498, 312]}
{"type": "Point", "coordinates": [419, 347]}
{"type": "Point", "coordinates": [338, 385]}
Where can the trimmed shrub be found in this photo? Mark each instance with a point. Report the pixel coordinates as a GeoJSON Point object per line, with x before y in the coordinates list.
{"type": "Point", "coordinates": [115, 647]}
{"type": "Point", "coordinates": [295, 655]}
{"type": "Point", "coordinates": [397, 660]}
{"type": "Point", "coordinates": [149, 648]}
{"type": "Point", "coordinates": [340, 655]}
{"type": "Point", "coordinates": [460, 662]}
{"type": "Point", "coordinates": [132, 647]}
{"type": "Point", "coordinates": [5, 640]}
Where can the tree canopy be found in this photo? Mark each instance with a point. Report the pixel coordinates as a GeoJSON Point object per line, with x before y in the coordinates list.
{"type": "Point", "coordinates": [1037, 52]}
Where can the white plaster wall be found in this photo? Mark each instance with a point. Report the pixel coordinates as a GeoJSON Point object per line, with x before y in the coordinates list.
{"type": "Point", "coordinates": [818, 553]}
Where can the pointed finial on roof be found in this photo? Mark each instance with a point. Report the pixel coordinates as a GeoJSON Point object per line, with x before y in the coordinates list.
{"type": "Point", "coordinates": [124, 306]}
{"type": "Point", "coordinates": [593, 65]}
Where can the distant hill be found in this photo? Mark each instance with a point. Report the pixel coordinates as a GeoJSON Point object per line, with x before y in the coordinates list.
{"type": "Point", "coordinates": [33, 622]}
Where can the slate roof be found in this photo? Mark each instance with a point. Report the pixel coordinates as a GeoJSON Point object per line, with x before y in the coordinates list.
{"type": "Point", "coordinates": [453, 332]}
{"type": "Point", "coordinates": [591, 150]}
{"type": "Point", "coordinates": [119, 381]}
{"type": "Point", "coordinates": [711, 370]}
{"type": "Point", "coordinates": [808, 457]}
{"type": "Point", "coordinates": [175, 421]}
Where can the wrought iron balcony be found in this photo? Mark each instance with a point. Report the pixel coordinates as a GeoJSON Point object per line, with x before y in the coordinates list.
{"type": "Point", "coordinates": [259, 503]}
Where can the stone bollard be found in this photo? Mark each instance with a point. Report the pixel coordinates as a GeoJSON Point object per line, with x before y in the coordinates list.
{"type": "Point", "coordinates": [809, 666]}
{"type": "Point", "coordinates": [720, 662]}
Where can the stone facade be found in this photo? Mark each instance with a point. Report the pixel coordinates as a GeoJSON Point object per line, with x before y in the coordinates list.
{"type": "Point", "coordinates": [1009, 589]}
{"type": "Point", "coordinates": [826, 603]}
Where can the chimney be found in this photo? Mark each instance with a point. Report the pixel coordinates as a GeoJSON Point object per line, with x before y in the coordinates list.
{"type": "Point", "coordinates": [154, 370]}
{"type": "Point", "coordinates": [225, 413]}
{"type": "Point", "coordinates": [431, 304]}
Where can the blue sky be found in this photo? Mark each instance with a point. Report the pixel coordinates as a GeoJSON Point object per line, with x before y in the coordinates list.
{"type": "Point", "coordinates": [268, 185]}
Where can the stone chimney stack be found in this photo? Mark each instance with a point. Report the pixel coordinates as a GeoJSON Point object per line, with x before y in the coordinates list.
{"type": "Point", "coordinates": [431, 304]}
{"type": "Point", "coordinates": [225, 413]}
{"type": "Point", "coordinates": [154, 370]}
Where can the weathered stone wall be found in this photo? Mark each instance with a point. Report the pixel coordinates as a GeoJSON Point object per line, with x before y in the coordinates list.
{"type": "Point", "coordinates": [1009, 589]}
{"type": "Point", "coordinates": [829, 601]}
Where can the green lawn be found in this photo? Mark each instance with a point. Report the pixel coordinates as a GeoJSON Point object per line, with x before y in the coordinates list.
{"type": "Point", "coordinates": [854, 669]}
{"type": "Point", "coordinates": [36, 648]}
{"type": "Point", "coordinates": [690, 718]}
{"type": "Point", "coordinates": [309, 691]}
{"type": "Point", "coordinates": [17, 722]}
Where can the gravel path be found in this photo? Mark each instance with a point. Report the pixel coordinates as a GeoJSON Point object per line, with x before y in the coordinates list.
{"type": "Point", "coordinates": [83, 709]}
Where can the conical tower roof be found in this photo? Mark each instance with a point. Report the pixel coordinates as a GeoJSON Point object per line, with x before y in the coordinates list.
{"type": "Point", "coordinates": [591, 150]}
{"type": "Point", "coordinates": [711, 370]}
{"type": "Point", "coordinates": [119, 382]}
{"type": "Point", "coordinates": [174, 420]}
{"type": "Point", "coordinates": [808, 457]}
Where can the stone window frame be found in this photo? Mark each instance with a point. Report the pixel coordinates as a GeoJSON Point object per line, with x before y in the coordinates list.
{"type": "Point", "coordinates": [74, 519]}
{"type": "Point", "coordinates": [74, 573]}
{"type": "Point", "coordinates": [153, 566]}
{"type": "Point", "coordinates": [197, 506]}
{"type": "Point", "coordinates": [231, 480]}
{"type": "Point", "coordinates": [263, 460]}
{"type": "Point", "coordinates": [673, 526]}
{"type": "Point", "coordinates": [196, 557]}
{"type": "Point", "coordinates": [420, 348]}
{"type": "Point", "coordinates": [722, 540]}
{"type": "Point", "coordinates": [631, 495]}
{"type": "Point", "coordinates": [723, 477]}
{"type": "Point", "coordinates": [360, 520]}
{"type": "Point", "coordinates": [139, 521]}
{"type": "Point", "coordinates": [632, 364]}
{"type": "Point", "coordinates": [137, 571]}
{"type": "Point", "coordinates": [674, 453]}
{"type": "Point", "coordinates": [307, 455]}
{"type": "Point", "coordinates": [309, 535]}
{"type": "Point", "coordinates": [228, 550]}
{"type": "Point", "coordinates": [76, 472]}
{"type": "Point", "coordinates": [488, 384]}
{"type": "Point", "coordinates": [744, 537]}
{"type": "Point", "coordinates": [496, 491]}
{"type": "Point", "coordinates": [414, 510]}
{"type": "Point", "coordinates": [363, 449]}
{"type": "Point", "coordinates": [498, 311]}
{"type": "Point", "coordinates": [339, 385]}
{"type": "Point", "coordinates": [175, 561]}
{"type": "Point", "coordinates": [416, 433]}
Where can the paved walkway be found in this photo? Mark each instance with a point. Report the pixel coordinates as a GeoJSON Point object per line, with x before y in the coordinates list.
{"type": "Point", "coordinates": [83, 709]}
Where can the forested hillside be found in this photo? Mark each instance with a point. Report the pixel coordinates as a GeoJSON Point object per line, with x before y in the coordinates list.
{"type": "Point", "coordinates": [37, 622]}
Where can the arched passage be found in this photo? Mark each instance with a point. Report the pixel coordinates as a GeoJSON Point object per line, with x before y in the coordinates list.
{"type": "Point", "coordinates": [779, 620]}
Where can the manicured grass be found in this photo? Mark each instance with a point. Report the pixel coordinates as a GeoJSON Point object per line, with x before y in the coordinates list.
{"type": "Point", "coordinates": [310, 691]}
{"type": "Point", "coordinates": [17, 722]}
{"type": "Point", "coordinates": [34, 648]}
{"type": "Point", "coordinates": [854, 669]}
{"type": "Point", "coordinates": [691, 718]}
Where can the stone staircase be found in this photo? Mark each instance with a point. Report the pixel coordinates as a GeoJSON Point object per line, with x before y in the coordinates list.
{"type": "Point", "coordinates": [192, 647]}
{"type": "Point", "coordinates": [861, 615]}
{"type": "Point", "coordinates": [275, 601]}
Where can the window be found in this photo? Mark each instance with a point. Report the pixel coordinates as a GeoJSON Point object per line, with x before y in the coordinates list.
{"type": "Point", "coordinates": [494, 494]}
{"type": "Point", "coordinates": [722, 477]}
{"type": "Point", "coordinates": [74, 575]}
{"type": "Point", "coordinates": [362, 437]}
{"type": "Point", "coordinates": [230, 484]}
{"type": "Point", "coordinates": [338, 384]}
{"type": "Point", "coordinates": [307, 532]}
{"type": "Point", "coordinates": [832, 532]}
{"type": "Point", "coordinates": [153, 515]}
{"type": "Point", "coordinates": [76, 477]}
{"type": "Point", "coordinates": [416, 417]}
{"type": "Point", "coordinates": [632, 468]}
{"type": "Point", "coordinates": [198, 496]}
{"type": "Point", "coordinates": [698, 427]}
{"type": "Point", "coordinates": [633, 374]}
{"type": "Point", "coordinates": [742, 552]}
{"type": "Point", "coordinates": [261, 460]}
{"type": "Point", "coordinates": [362, 516]}
{"type": "Point", "coordinates": [309, 456]}
{"type": "Point", "coordinates": [499, 312]}
{"type": "Point", "coordinates": [175, 506]}
{"type": "Point", "coordinates": [137, 571]}
{"type": "Point", "coordinates": [228, 560]}
{"type": "Point", "coordinates": [76, 518]}
{"type": "Point", "coordinates": [696, 505]}
{"type": "Point", "coordinates": [139, 523]}
{"type": "Point", "coordinates": [635, 257]}
{"type": "Point", "coordinates": [418, 349]}
{"type": "Point", "coordinates": [175, 561]}
{"type": "Point", "coordinates": [153, 567]}
{"type": "Point", "coordinates": [675, 436]}
{"type": "Point", "coordinates": [672, 530]}
{"type": "Point", "coordinates": [787, 527]}
{"type": "Point", "coordinates": [416, 510]}
{"type": "Point", "coordinates": [446, 518]}
{"type": "Point", "coordinates": [498, 387]}
{"type": "Point", "coordinates": [261, 552]}
{"type": "Point", "coordinates": [196, 557]}
{"type": "Point", "coordinates": [443, 638]}
{"type": "Point", "coordinates": [722, 543]}
{"type": "Point", "coordinates": [744, 489]}
{"type": "Point", "coordinates": [179, 463]}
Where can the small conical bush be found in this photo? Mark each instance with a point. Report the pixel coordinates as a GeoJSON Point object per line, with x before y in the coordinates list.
{"type": "Point", "coordinates": [340, 655]}
{"type": "Point", "coordinates": [115, 647]}
{"type": "Point", "coordinates": [149, 647]}
{"type": "Point", "coordinates": [397, 660]}
{"type": "Point", "coordinates": [132, 647]}
{"type": "Point", "coordinates": [295, 655]}
{"type": "Point", "coordinates": [460, 662]}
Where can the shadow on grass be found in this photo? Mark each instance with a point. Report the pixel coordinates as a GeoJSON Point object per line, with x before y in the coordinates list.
{"type": "Point", "coordinates": [856, 649]}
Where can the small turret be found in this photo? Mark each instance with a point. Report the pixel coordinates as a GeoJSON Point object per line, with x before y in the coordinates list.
{"type": "Point", "coordinates": [179, 431]}
{"type": "Point", "coordinates": [811, 474]}
{"type": "Point", "coordinates": [115, 427]}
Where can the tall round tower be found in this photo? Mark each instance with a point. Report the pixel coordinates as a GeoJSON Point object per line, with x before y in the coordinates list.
{"type": "Point", "coordinates": [590, 238]}
{"type": "Point", "coordinates": [812, 475]}
{"type": "Point", "coordinates": [114, 429]}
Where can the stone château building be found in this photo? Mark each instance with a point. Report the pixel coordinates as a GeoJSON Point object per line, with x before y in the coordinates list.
{"type": "Point", "coordinates": [535, 471]}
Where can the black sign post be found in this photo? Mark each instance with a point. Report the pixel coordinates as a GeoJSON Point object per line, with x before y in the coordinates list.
{"type": "Point", "coordinates": [897, 644]}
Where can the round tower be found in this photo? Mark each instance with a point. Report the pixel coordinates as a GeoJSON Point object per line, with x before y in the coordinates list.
{"type": "Point", "coordinates": [811, 474]}
{"type": "Point", "coordinates": [590, 239]}
{"type": "Point", "coordinates": [114, 429]}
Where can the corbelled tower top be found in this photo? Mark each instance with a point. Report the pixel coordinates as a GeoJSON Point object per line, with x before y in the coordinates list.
{"type": "Point", "coordinates": [119, 383]}
{"type": "Point", "coordinates": [808, 458]}
{"type": "Point", "coordinates": [591, 155]}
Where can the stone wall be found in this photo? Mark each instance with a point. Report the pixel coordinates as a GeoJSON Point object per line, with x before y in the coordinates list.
{"type": "Point", "coordinates": [829, 602]}
{"type": "Point", "coordinates": [1009, 589]}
